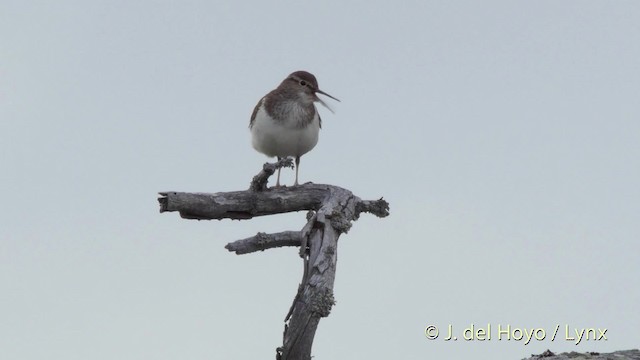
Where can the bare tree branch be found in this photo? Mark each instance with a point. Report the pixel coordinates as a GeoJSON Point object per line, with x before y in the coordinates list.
{"type": "Point", "coordinates": [263, 241]}
{"type": "Point", "coordinates": [379, 208]}
{"type": "Point", "coordinates": [332, 210]}
{"type": "Point", "coordinates": [259, 182]}
{"type": "Point", "coordinates": [244, 205]}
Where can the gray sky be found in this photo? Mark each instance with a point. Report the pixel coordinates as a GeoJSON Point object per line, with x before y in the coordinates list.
{"type": "Point", "coordinates": [504, 134]}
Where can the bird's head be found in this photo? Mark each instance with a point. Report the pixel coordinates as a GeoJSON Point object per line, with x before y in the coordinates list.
{"type": "Point", "coordinates": [306, 85]}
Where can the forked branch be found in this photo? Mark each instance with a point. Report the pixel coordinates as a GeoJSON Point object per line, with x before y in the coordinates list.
{"type": "Point", "coordinates": [333, 209]}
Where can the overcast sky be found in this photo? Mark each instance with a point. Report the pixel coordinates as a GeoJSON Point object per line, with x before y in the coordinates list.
{"type": "Point", "coordinates": [504, 134]}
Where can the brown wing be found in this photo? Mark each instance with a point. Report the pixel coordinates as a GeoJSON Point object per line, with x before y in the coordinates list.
{"type": "Point", "coordinates": [255, 112]}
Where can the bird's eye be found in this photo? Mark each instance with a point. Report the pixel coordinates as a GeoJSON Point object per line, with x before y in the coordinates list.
{"type": "Point", "coordinates": [303, 83]}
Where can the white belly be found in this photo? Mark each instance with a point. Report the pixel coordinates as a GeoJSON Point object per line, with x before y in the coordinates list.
{"type": "Point", "coordinates": [283, 139]}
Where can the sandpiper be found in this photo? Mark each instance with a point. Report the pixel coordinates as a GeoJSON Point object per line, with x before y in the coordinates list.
{"type": "Point", "coordinates": [285, 122]}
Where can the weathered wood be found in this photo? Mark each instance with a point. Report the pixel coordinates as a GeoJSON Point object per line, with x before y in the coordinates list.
{"type": "Point", "coordinates": [263, 241]}
{"type": "Point", "coordinates": [243, 205]}
{"type": "Point", "coordinates": [573, 355]}
{"type": "Point", "coordinates": [259, 182]}
{"type": "Point", "coordinates": [333, 209]}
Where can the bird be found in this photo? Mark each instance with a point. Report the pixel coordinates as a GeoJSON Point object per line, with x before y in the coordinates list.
{"type": "Point", "coordinates": [285, 122]}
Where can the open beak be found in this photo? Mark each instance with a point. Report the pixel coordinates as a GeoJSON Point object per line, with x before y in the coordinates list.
{"type": "Point", "coordinates": [322, 102]}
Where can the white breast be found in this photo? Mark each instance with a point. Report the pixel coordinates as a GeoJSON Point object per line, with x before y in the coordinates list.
{"type": "Point", "coordinates": [283, 139]}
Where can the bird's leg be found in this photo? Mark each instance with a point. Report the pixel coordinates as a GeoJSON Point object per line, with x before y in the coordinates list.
{"type": "Point", "coordinates": [278, 181]}
{"type": "Point", "coordinates": [297, 166]}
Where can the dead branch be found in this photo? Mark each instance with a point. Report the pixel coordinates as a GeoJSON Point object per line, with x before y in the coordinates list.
{"type": "Point", "coordinates": [332, 211]}
{"type": "Point", "coordinates": [262, 241]}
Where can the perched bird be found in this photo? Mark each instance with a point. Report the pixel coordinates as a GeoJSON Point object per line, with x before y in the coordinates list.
{"type": "Point", "coordinates": [285, 122]}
